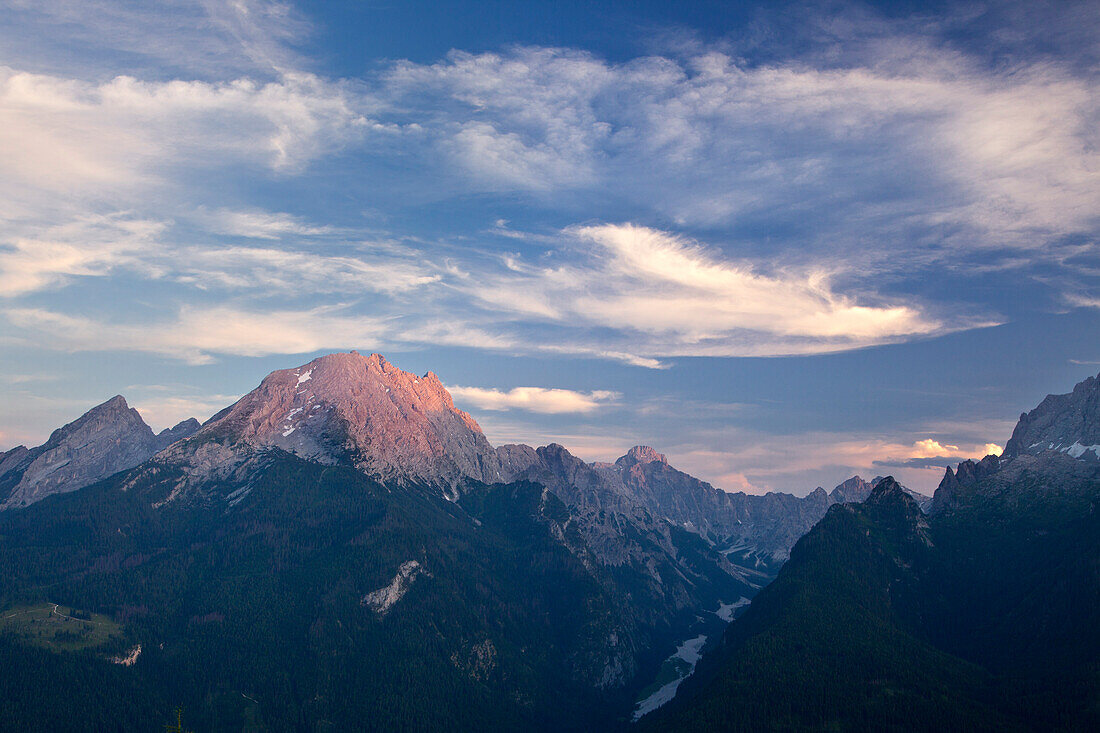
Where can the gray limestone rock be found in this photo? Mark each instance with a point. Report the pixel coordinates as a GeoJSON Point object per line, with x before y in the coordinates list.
{"type": "Point", "coordinates": [109, 438]}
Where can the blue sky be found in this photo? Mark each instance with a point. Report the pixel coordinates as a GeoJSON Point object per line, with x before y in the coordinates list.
{"type": "Point", "coordinates": [782, 243]}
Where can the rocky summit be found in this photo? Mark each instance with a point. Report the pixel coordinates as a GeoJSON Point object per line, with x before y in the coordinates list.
{"type": "Point", "coordinates": [1067, 423]}
{"type": "Point", "coordinates": [390, 424]}
{"type": "Point", "coordinates": [109, 438]}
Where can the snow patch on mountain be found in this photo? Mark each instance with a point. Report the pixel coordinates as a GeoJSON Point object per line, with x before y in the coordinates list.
{"type": "Point", "coordinates": [1077, 450]}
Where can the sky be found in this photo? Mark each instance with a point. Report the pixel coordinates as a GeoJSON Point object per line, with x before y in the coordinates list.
{"type": "Point", "coordinates": [782, 243]}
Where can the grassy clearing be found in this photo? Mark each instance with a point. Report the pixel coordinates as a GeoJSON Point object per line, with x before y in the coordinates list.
{"type": "Point", "coordinates": [59, 628]}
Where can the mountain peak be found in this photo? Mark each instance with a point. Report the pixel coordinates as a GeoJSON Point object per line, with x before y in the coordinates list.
{"type": "Point", "coordinates": [1065, 423]}
{"type": "Point", "coordinates": [108, 438]}
{"type": "Point", "coordinates": [346, 407]}
{"type": "Point", "coordinates": [118, 402]}
{"type": "Point", "coordinates": [642, 454]}
{"type": "Point", "coordinates": [853, 489]}
{"type": "Point", "coordinates": [887, 490]}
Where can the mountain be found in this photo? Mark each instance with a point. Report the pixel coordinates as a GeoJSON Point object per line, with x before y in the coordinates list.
{"type": "Point", "coordinates": [404, 430]}
{"type": "Point", "coordinates": [983, 615]}
{"type": "Point", "coordinates": [390, 424]}
{"type": "Point", "coordinates": [1068, 423]}
{"type": "Point", "coordinates": [754, 532]}
{"type": "Point", "coordinates": [342, 545]}
{"type": "Point", "coordinates": [107, 439]}
{"type": "Point", "coordinates": [854, 489]}
{"type": "Point", "coordinates": [401, 428]}
{"type": "Point", "coordinates": [266, 612]}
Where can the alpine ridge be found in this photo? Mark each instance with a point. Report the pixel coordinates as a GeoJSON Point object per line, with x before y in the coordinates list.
{"type": "Point", "coordinates": [109, 438]}
{"type": "Point", "coordinates": [1066, 423]}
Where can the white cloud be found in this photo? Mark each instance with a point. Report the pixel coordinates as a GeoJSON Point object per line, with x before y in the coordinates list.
{"type": "Point", "coordinates": [259, 224]}
{"type": "Point", "coordinates": [1011, 154]}
{"type": "Point", "coordinates": [797, 463]}
{"type": "Point", "coordinates": [70, 136]}
{"type": "Point", "coordinates": [629, 293]}
{"type": "Point", "coordinates": [866, 160]}
{"type": "Point", "coordinates": [533, 399]}
{"type": "Point", "coordinates": [101, 246]}
{"type": "Point", "coordinates": [198, 334]}
{"type": "Point", "coordinates": [931, 448]}
{"type": "Point", "coordinates": [280, 270]}
{"type": "Point", "coordinates": [166, 411]}
{"type": "Point", "coordinates": [673, 285]}
{"type": "Point", "coordinates": [207, 37]}
{"type": "Point", "coordinates": [663, 295]}
{"type": "Point", "coordinates": [92, 246]}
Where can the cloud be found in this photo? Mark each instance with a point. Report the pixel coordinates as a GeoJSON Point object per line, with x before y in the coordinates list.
{"type": "Point", "coordinates": [91, 246]}
{"type": "Point", "coordinates": [102, 246]}
{"type": "Point", "coordinates": [624, 292]}
{"type": "Point", "coordinates": [259, 224]}
{"type": "Point", "coordinates": [533, 399]}
{"type": "Point", "coordinates": [198, 334]}
{"type": "Point", "coordinates": [742, 459]}
{"type": "Point", "coordinates": [205, 37]}
{"type": "Point", "coordinates": [65, 135]}
{"type": "Point", "coordinates": [830, 175]}
{"type": "Point", "coordinates": [165, 411]}
{"type": "Point", "coordinates": [284, 271]}
{"type": "Point", "coordinates": [905, 139]}
{"type": "Point", "coordinates": [931, 454]}
{"type": "Point", "coordinates": [679, 287]}
{"type": "Point", "coordinates": [657, 294]}
{"type": "Point", "coordinates": [929, 447]}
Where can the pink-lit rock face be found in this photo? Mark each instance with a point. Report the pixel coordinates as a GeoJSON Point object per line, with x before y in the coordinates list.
{"type": "Point", "coordinates": [388, 423]}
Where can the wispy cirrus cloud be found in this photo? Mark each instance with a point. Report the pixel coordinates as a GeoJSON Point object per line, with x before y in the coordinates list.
{"type": "Point", "coordinates": [196, 335]}
{"type": "Point", "coordinates": [636, 295]}
{"type": "Point", "coordinates": [208, 37]}
{"type": "Point", "coordinates": [201, 334]}
{"type": "Point", "coordinates": [99, 246]}
{"type": "Point", "coordinates": [954, 141]}
{"type": "Point", "coordinates": [89, 246]}
{"type": "Point", "coordinates": [259, 224]}
{"type": "Point", "coordinates": [948, 151]}
{"type": "Point", "coordinates": [659, 295]}
{"type": "Point", "coordinates": [287, 271]}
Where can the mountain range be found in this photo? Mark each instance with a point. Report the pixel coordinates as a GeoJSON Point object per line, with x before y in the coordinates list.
{"type": "Point", "coordinates": [982, 615]}
{"type": "Point", "coordinates": [404, 429]}
{"type": "Point", "coordinates": [343, 544]}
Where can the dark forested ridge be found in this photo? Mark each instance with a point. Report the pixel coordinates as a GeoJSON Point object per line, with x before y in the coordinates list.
{"type": "Point", "coordinates": [985, 616]}
{"type": "Point", "coordinates": [255, 612]}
